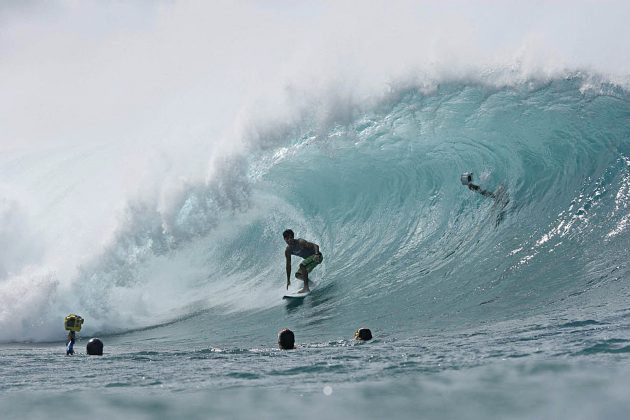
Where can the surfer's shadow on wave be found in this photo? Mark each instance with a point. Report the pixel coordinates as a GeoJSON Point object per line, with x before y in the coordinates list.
{"type": "Point", "coordinates": [317, 297]}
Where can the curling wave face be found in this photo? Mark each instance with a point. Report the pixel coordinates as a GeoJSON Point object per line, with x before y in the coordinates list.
{"type": "Point", "coordinates": [405, 243]}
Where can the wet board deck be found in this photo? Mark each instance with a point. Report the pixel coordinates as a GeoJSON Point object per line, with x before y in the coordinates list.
{"type": "Point", "coordinates": [293, 294]}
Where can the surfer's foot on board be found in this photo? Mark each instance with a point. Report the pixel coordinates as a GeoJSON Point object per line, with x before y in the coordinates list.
{"type": "Point", "coordinates": [305, 289]}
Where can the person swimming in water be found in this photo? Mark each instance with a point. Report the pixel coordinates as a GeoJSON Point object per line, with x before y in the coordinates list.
{"type": "Point", "coordinates": [466, 180]}
{"type": "Point", "coordinates": [500, 196]}
{"type": "Point", "coordinates": [305, 249]}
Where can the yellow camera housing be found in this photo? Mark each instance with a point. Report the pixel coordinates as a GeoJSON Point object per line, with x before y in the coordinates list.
{"type": "Point", "coordinates": [73, 322]}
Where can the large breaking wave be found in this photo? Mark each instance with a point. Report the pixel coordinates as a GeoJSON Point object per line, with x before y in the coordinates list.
{"type": "Point", "coordinates": [149, 165]}
{"type": "Point", "coordinates": [378, 189]}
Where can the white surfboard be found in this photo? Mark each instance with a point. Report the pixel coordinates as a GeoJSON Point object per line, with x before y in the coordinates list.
{"type": "Point", "coordinates": [295, 295]}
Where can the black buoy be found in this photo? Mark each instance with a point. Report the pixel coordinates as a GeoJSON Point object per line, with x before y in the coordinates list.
{"type": "Point", "coordinates": [363, 334]}
{"type": "Point", "coordinates": [95, 347]}
{"type": "Point", "coordinates": [286, 339]}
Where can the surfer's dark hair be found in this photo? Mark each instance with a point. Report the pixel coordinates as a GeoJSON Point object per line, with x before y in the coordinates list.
{"type": "Point", "coordinates": [288, 233]}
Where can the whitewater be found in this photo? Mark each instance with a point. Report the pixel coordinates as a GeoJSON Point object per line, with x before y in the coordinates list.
{"type": "Point", "coordinates": [152, 155]}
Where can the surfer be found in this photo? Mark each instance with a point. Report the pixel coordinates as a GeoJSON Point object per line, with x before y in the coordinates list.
{"type": "Point", "coordinates": [466, 180]}
{"type": "Point", "coordinates": [301, 248]}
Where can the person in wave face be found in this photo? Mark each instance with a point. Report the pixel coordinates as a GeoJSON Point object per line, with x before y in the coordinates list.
{"type": "Point", "coordinates": [477, 188]}
{"type": "Point", "coordinates": [301, 248]}
{"type": "Point", "coordinates": [466, 180]}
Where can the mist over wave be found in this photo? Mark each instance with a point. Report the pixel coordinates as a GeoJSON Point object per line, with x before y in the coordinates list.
{"type": "Point", "coordinates": [163, 167]}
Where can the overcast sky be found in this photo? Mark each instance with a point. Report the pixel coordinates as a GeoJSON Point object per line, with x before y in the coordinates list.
{"type": "Point", "coordinates": [81, 71]}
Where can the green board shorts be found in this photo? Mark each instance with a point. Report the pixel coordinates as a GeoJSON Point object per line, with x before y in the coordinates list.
{"type": "Point", "coordinates": [310, 262]}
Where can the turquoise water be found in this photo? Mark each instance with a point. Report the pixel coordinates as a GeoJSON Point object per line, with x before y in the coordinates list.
{"type": "Point", "coordinates": [480, 308]}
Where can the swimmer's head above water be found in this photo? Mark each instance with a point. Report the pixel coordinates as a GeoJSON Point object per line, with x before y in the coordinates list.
{"type": "Point", "coordinates": [286, 339]}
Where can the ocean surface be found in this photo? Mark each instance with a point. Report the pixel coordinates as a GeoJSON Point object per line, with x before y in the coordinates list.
{"type": "Point", "coordinates": [515, 307]}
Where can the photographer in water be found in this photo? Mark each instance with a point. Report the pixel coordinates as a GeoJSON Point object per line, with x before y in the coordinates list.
{"type": "Point", "coordinates": [466, 180]}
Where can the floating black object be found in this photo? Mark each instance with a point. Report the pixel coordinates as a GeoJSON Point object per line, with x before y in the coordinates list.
{"type": "Point", "coordinates": [95, 347]}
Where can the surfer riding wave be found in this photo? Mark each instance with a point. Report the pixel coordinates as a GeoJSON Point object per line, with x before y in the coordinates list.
{"type": "Point", "coordinates": [305, 249]}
